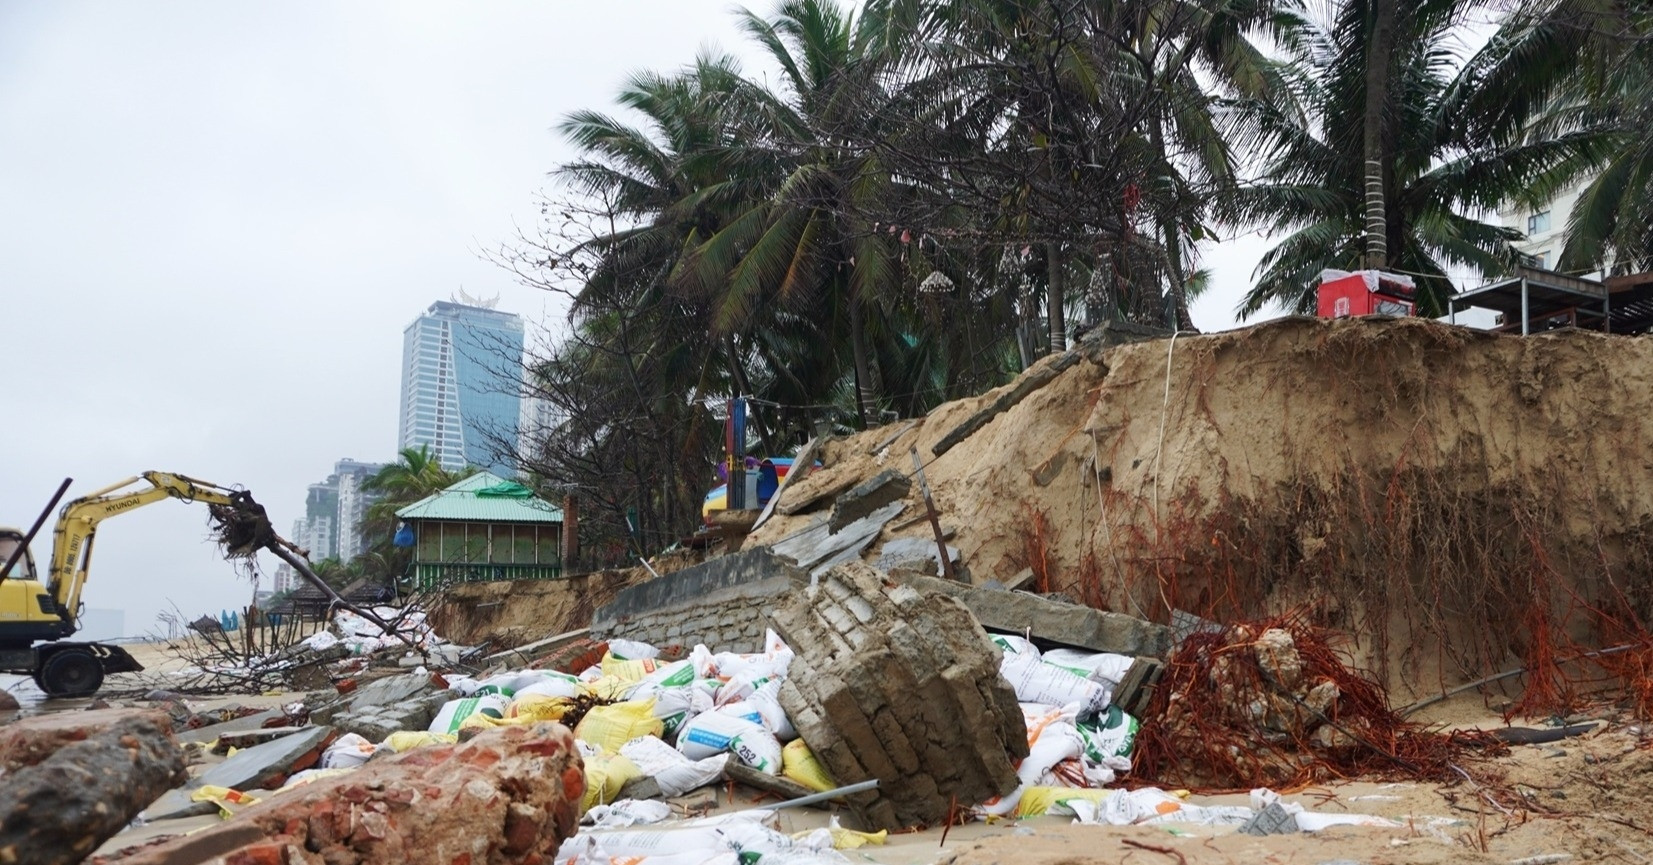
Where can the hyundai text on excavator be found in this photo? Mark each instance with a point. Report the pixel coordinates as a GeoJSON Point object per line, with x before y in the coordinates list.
{"type": "Point", "coordinates": [32, 611]}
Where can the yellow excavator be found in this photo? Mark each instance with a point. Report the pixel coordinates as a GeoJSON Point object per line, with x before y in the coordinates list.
{"type": "Point", "coordinates": [32, 612]}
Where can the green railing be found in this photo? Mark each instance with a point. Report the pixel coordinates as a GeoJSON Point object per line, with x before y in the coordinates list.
{"type": "Point", "coordinates": [429, 575]}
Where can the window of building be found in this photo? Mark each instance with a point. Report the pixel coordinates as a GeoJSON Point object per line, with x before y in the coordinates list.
{"type": "Point", "coordinates": [1538, 223]}
{"type": "Point", "coordinates": [1541, 260]}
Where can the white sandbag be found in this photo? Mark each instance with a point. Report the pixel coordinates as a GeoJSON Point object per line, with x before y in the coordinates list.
{"type": "Point", "coordinates": [529, 678]}
{"type": "Point", "coordinates": [673, 706]}
{"type": "Point", "coordinates": [1014, 645]}
{"type": "Point", "coordinates": [464, 686]}
{"type": "Point", "coordinates": [632, 650]}
{"type": "Point", "coordinates": [743, 710]}
{"type": "Point", "coordinates": [1112, 734]}
{"type": "Point", "coordinates": [1051, 738]}
{"type": "Point", "coordinates": [759, 749]}
{"type": "Point", "coordinates": [679, 845]}
{"type": "Point", "coordinates": [591, 673]}
{"type": "Point", "coordinates": [454, 712]}
{"type": "Point", "coordinates": [1153, 806]}
{"type": "Point", "coordinates": [503, 684]}
{"type": "Point", "coordinates": [767, 701]}
{"type": "Point", "coordinates": [711, 733]}
{"type": "Point", "coordinates": [1037, 682]}
{"type": "Point", "coordinates": [627, 812]}
{"type": "Point", "coordinates": [347, 751]}
{"type": "Point", "coordinates": [675, 773]}
{"type": "Point", "coordinates": [559, 686]}
{"type": "Point", "coordinates": [1101, 667]}
{"type": "Point", "coordinates": [673, 675]}
{"type": "Point", "coordinates": [700, 658]}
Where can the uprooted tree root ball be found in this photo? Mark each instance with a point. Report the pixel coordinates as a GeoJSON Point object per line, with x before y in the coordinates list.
{"type": "Point", "coordinates": [1273, 704]}
{"type": "Point", "coordinates": [242, 528]}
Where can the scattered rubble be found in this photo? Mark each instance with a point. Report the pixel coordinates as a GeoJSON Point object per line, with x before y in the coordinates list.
{"type": "Point", "coordinates": [508, 796]}
{"type": "Point", "coordinates": [263, 765]}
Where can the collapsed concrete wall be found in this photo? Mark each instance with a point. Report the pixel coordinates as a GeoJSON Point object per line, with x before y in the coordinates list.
{"type": "Point", "coordinates": [903, 686]}
{"type": "Point", "coordinates": [725, 603]}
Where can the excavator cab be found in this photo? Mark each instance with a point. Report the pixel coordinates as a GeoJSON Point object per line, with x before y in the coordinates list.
{"type": "Point", "coordinates": [27, 611]}
{"type": "Point", "coordinates": [10, 540]}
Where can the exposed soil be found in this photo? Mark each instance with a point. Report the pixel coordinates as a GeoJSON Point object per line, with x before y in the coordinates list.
{"type": "Point", "coordinates": [1460, 502]}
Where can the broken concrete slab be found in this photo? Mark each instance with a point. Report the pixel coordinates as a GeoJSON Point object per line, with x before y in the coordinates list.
{"type": "Point", "coordinates": [525, 654]}
{"type": "Point", "coordinates": [393, 689]}
{"type": "Point", "coordinates": [918, 554]}
{"type": "Point", "coordinates": [817, 547]}
{"type": "Point", "coordinates": [641, 787]}
{"type": "Point", "coordinates": [902, 686]}
{"type": "Point", "coordinates": [375, 723]}
{"type": "Point", "coordinates": [509, 795]}
{"type": "Point", "coordinates": [210, 732]}
{"type": "Point", "coordinates": [246, 770]}
{"type": "Point", "coordinates": [30, 740]}
{"type": "Point", "coordinates": [60, 809]}
{"type": "Point", "coordinates": [866, 498]}
{"type": "Point", "coordinates": [817, 488]}
{"type": "Point", "coordinates": [251, 738]}
{"type": "Point", "coordinates": [1054, 622]}
{"type": "Point", "coordinates": [1020, 389]}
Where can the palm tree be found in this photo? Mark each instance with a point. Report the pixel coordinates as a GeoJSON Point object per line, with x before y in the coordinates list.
{"type": "Point", "coordinates": [1441, 158]}
{"type": "Point", "coordinates": [1582, 71]}
{"type": "Point", "coordinates": [803, 245]}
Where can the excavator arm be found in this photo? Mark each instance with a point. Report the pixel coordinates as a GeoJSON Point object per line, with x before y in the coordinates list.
{"type": "Point", "coordinates": [77, 524]}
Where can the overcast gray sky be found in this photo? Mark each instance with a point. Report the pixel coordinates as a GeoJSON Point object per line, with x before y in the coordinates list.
{"type": "Point", "coordinates": [218, 217]}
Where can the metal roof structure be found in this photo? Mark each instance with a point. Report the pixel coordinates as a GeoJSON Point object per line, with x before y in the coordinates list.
{"type": "Point", "coordinates": [484, 498]}
{"type": "Point", "coordinates": [1538, 300]}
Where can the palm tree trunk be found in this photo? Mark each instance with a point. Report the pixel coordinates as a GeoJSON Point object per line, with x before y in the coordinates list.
{"type": "Point", "coordinates": [1168, 231]}
{"type": "Point", "coordinates": [1378, 55]}
{"type": "Point", "coordinates": [865, 394]}
{"type": "Point", "coordinates": [1055, 302]}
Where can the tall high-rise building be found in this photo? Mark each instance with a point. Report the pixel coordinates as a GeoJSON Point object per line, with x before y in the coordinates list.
{"type": "Point", "coordinates": [461, 374]}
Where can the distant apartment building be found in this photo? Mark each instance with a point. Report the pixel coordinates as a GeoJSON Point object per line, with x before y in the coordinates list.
{"type": "Point", "coordinates": [1545, 228]}
{"type": "Point", "coordinates": [353, 504]}
{"type": "Point", "coordinates": [461, 371]}
{"type": "Point", "coordinates": [285, 580]}
{"type": "Point", "coordinates": [335, 511]}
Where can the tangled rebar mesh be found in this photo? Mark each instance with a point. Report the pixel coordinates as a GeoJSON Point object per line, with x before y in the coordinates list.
{"type": "Point", "coordinates": [1272, 703]}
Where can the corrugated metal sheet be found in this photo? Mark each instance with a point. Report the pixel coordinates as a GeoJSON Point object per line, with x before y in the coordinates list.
{"type": "Point", "coordinates": [460, 502]}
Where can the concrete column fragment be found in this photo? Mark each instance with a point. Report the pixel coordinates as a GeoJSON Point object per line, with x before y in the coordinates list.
{"type": "Point", "coordinates": [58, 809]}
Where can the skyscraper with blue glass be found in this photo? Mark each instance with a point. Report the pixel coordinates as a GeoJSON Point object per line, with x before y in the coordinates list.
{"type": "Point", "coordinates": [461, 368]}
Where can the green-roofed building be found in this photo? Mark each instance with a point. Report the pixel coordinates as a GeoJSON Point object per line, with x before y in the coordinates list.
{"type": "Point", "coordinates": [484, 528]}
